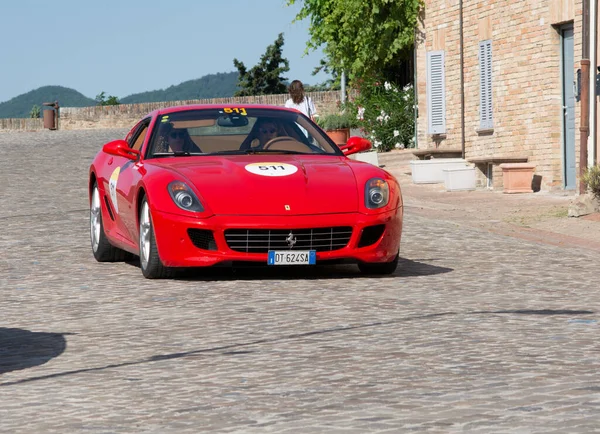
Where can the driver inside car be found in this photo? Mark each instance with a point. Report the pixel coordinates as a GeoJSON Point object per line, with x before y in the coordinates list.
{"type": "Point", "coordinates": [173, 139]}
{"type": "Point", "coordinates": [263, 131]}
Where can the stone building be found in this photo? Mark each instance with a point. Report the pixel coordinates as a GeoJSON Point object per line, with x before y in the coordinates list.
{"type": "Point", "coordinates": [497, 82]}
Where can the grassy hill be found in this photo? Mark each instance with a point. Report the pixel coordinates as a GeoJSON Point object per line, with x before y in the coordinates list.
{"type": "Point", "coordinates": [220, 85]}
{"type": "Point", "coordinates": [20, 106]}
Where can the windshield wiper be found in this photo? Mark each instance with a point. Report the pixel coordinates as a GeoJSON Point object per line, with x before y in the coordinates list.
{"type": "Point", "coordinates": [233, 152]}
{"type": "Point", "coordinates": [254, 151]}
{"type": "Point", "coordinates": [278, 151]}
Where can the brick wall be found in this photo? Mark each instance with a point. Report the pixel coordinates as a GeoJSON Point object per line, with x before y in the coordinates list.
{"type": "Point", "coordinates": [526, 83]}
{"type": "Point", "coordinates": [125, 115]}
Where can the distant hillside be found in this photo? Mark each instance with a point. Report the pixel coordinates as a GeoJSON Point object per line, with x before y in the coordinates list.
{"type": "Point", "coordinates": [20, 106]}
{"type": "Point", "coordinates": [221, 85]}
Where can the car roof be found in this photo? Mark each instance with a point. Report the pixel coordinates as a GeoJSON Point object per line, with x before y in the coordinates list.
{"type": "Point", "coordinates": [180, 108]}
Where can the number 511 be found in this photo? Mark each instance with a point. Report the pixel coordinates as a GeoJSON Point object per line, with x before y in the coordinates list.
{"type": "Point", "coordinates": [241, 111]}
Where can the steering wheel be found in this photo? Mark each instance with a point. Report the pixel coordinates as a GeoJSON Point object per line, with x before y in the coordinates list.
{"type": "Point", "coordinates": [277, 140]}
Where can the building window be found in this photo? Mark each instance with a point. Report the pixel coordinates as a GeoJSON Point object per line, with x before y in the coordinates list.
{"type": "Point", "coordinates": [436, 93]}
{"type": "Point", "coordinates": [486, 118]}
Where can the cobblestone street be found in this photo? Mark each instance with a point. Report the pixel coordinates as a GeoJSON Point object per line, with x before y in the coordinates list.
{"type": "Point", "coordinates": [475, 332]}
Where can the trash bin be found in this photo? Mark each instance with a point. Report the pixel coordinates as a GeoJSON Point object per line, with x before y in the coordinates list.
{"type": "Point", "coordinates": [49, 117]}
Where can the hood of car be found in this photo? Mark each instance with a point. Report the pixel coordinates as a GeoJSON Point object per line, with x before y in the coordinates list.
{"type": "Point", "coordinates": [271, 185]}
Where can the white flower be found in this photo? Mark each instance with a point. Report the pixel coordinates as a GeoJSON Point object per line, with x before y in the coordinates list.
{"type": "Point", "coordinates": [383, 117]}
{"type": "Point", "coordinates": [377, 143]}
{"type": "Point", "coordinates": [387, 86]}
{"type": "Point", "coordinates": [361, 113]}
{"type": "Point", "coordinates": [396, 133]}
{"type": "Point", "coordinates": [398, 145]}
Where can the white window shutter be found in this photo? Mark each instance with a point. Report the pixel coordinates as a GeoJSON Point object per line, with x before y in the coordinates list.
{"type": "Point", "coordinates": [486, 118]}
{"type": "Point", "coordinates": [436, 92]}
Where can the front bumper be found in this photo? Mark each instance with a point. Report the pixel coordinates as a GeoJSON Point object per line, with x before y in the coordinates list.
{"type": "Point", "coordinates": [176, 249]}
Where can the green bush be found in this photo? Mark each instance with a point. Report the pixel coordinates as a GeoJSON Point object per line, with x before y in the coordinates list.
{"type": "Point", "coordinates": [35, 112]}
{"type": "Point", "coordinates": [591, 178]}
{"type": "Point", "coordinates": [345, 118]}
{"type": "Point", "coordinates": [102, 99]}
{"type": "Point", "coordinates": [385, 113]}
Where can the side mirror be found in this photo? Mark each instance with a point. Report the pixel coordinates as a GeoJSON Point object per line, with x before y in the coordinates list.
{"type": "Point", "coordinates": [355, 144]}
{"type": "Point", "coordinates": [121, 148]}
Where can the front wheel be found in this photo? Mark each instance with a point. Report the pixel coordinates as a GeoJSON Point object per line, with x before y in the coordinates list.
{"type": "Point", "coordinates": [379, 268]}
{"type": "Point", "coordinates": [152, 267]}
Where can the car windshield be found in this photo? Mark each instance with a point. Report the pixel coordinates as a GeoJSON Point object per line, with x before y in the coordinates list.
{"type": "Point", "coordinates": [237, 130]}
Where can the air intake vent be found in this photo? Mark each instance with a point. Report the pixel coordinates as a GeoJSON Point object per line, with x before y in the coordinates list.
{"type": "Point", "coordinates": [202, 238]}
{"type": "Point", "coordinates": [370, 235]}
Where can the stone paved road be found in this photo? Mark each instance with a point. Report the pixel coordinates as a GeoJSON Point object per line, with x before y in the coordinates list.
{"type": "Point", "coordinates": [475, 332]}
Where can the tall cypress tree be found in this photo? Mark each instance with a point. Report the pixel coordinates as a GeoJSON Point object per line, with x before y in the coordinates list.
{"type": "Point", "coordinates": [266, 77]}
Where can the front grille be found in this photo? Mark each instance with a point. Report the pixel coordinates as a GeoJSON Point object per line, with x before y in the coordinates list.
{"type": "Point", "coordinates": [263, 240]}
{"type": "Point", "coordinates": [202, 238]}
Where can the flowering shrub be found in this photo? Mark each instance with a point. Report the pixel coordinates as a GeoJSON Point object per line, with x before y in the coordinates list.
{"type": "Point", "coordinates": [385, 113]}
{"type": "Point", "coordinates": [591, 178]}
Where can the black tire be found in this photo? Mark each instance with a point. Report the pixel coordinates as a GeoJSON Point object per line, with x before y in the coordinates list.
{"type": "Point", "coordinates": [379, 268]}
{"type": "Point", "coordinates": [150, 263]}
{"type": "Point", "coordinates": [101, 248]}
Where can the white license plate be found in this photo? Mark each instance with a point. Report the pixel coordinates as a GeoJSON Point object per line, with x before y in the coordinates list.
{"type": "Point", "coordinates": [288, 257]}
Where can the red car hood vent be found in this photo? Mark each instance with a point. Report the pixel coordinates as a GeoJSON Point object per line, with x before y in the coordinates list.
{"type": "Point", "coordinates": [272, 185]}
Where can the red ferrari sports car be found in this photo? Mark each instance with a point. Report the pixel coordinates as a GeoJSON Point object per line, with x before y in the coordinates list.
{"type": "Point", "coordinates": [205, 185]}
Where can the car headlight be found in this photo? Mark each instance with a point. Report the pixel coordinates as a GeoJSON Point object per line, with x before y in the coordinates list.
{"type": "Point", "coordinates": [184, 197]}
{"type": "Point", "coordinates": [377, 193]}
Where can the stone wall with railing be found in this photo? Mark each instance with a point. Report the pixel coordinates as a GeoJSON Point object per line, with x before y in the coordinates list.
{"type": "Point", "coordinates": [125, 115]}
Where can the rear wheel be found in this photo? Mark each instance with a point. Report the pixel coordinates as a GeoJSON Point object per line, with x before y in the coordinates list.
{"type": "Point", "coordinates": [379, 268]}
{"type": "Point", "coordinates": [101, 247]}
{"type": "Point", "coordinates": [152, 267]}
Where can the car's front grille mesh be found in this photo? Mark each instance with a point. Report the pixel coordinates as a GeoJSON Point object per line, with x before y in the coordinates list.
{"type": "Point", "coordinates": [263, 240]}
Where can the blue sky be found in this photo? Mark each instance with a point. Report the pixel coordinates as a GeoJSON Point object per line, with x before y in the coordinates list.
{"type": "Point", "coordinates": [130, 46]}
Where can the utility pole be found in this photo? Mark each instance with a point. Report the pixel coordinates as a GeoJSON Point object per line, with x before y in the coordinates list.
{"type": "Point", "coordinates": [343, 87]}
{"type": "Point", "coordinates": [585, 94]}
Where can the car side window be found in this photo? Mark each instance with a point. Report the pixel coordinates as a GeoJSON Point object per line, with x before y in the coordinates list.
{"type": "Point", "coordinates": [137, 139]}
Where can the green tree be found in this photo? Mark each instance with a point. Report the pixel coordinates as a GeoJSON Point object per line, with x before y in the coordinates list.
{"type": "Point", "coordinates": [364, 38]}
{"type": "Point", "coordinates": [101, 99]}
{"type": "Point", "coordinates": [35, 112]}
{"type": "Point", "coordinates": [264, 78]}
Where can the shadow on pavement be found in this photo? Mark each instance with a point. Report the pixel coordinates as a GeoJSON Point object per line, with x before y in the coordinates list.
{"type": "Point", "coordinates": [406, 268]}
{"type": "Point", "coordinates": [22, 349]}
{"type": "Point", "coordinates": [246, 347]}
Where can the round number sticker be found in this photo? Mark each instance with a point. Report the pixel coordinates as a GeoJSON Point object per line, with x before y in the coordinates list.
{"type": "Point", "coordinates": [112, 187]}
{"type": "Point", "coordinates": [271, 169]}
